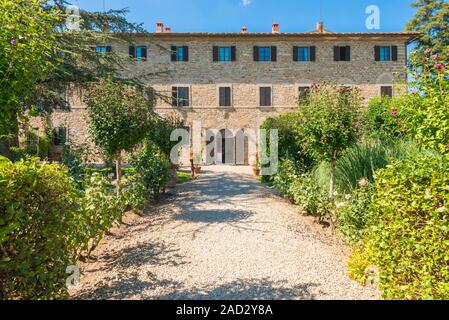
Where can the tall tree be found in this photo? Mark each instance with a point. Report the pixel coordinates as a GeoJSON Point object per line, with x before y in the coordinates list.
{"type": "Point", "coordinates": [432, 21]}
{"type": "Point", "coordinates": [26, 43]}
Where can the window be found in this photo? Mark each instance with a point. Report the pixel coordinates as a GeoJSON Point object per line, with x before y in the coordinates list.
{"type": "Point", "coordinates": [59, 136]}
{"type": "Point", "coordinates": [180, 96]}
{"type": "Point", "coordinates": [225, 97]}
{"type": "Point", "coordinates": [103, 49]}
{"type": "Point", "coordinates": [139, 53]}
{"type": "Point", "coordinates": [386, 91]}
{"type": "Point", "coordinates": [342, 53]}
{"type": "Point", "coordinates": [264, 54]}
{"type": "Point", "coordinates": [180, 53]}
{"type": "Point", "coordinates": [303, 92]}
{"type": "Point", "coordinates": [265, 96]}
{"type": "Point", "coordinates": [303, 54]}
{"type": "Point", "coordinates": [386, 53]}
{"type": "Point", "coordinates": [224, 54]}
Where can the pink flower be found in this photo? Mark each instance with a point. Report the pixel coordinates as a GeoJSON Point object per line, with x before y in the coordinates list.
{"type": "Point", "coordinates": [436, 57]}
{"type": "Point", "coordinates": [439, 66]}
{"type": "Point", "coordinates": [394, 112]}
{"type": "Point", "coordinates": [428, 50]}
{"type": "Point", "coordinates": [425, 59]}
{"type": "Point", "coordinates": [13, 42]}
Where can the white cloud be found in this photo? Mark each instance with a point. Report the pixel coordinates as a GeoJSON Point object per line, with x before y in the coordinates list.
{"type": "Point", "coordinates": [246, 2]}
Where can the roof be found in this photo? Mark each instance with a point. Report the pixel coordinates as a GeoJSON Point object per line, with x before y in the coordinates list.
{"type": "Point", "coordinates": [326, 35]}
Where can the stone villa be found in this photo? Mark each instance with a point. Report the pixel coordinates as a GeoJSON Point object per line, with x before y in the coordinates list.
{"type": "Point", "coordinates": [232, 82]}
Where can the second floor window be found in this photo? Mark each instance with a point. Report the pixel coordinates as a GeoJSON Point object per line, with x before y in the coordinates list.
{"type": "Point", "coordinates": [180, 53]}
{"type": "Point", "coordinates": [386, 53]}
{"type": "Point", "coordinates": [180, 96]}
{"type": "Point", "coordinates": [224, 54]}
{"type": "Point", "coordinates": [265, 54]}
{"type": "Point", "coordinates": [304, 54]}
{"type": "Point", "coordinates": [139, 53]}
{"type": "Point", "coordinates": [103, 49]}
{"type": "Point", "coordinates": [265, 96]}
{"type": "Point", "coordinates": [342, 53]}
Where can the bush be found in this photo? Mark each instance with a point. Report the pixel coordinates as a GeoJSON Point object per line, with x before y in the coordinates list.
{"type": "Point", "coordinates": [152, 172]}
{"type": "Point", "coordinates": [409, 234]}
{"type": "Point", "coordinates": [353, 215]}
{"type": "Point", "coordinates": [37, 208]}
{"type": "Point", "coordinates": [312, 199]}
{"type": "Point", "coordinates": [381, 119]}
{"type": "Point", "coordinates": [288, 172]}
{"type": "Point", "coordinates": [98, 210]}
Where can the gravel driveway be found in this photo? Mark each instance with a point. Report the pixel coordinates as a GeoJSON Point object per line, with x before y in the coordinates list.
{"type": "Point", "coordinates": [222, 236]}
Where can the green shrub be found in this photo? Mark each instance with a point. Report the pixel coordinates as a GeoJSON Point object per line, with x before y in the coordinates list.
{"type": "Point", "coordinates": [381, 119]}
{"type": "Point", "coordinates": [37, 208]}
{"type": "Point", "coordinates": [358, 264]}
{"type": "Point", "coordinates": [288, 172]}
{"type": "Point", "coordinates": [312, 199]}
{"type": "Point", "coordinates": [152, 172]}
{"type": "Point", "coordinates": [99, 208]}
{"type": "Point", "coordinates": [409, 236]}
{"type": "Point", "coordinates": [353, 215]}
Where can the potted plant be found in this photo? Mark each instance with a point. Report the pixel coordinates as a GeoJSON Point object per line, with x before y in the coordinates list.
{"type": "Point", "coordinates": [256, 166]}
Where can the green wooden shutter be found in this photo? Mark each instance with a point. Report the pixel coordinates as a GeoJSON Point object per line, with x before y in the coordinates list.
{"type": "Point", "coordinates": [186, 53]}
{"type": "Point", "coordinates": [312, 53]}
{"type": "Point", "coordinates": [295, 53]}
{"type": "Point", "coordinates": [377, 53]}
{"type": "Point", "coordinates": [394, 53]}
{"type": "Point", "coordinates": [132, 51]}
{"type": "Point", "coordinates": [233, 53]}
{"type": "Point", "coordinates": [273, 53]}
{"type": "Point", "coordinates": [256, 53]}
{"type": "Point", "coordinates": [215, 53]}
{"type": "Point", "coordinates": [336, 53]}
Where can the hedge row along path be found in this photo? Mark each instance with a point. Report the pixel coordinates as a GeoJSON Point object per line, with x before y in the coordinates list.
{"type": "Point", "coordinates": [222, 236]}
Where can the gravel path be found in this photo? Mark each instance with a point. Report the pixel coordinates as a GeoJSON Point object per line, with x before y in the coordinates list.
{"type": "Point", "coordinates": [223, 236]}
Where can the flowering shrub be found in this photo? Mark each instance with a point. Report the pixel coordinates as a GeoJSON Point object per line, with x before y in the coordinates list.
{"type": "Point", "coordinates": [426, 111]}
{"type": "Point", "coordinates": [409, 234]}
{"type": "Point", "coordinates": [382, 119]}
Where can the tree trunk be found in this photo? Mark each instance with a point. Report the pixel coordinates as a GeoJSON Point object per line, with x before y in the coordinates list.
{"type": "Point", "coordinates": [118, 171]}
{"type": "Point", "coordinates": [332, 178]}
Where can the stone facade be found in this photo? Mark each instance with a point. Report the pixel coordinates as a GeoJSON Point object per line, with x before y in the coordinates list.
{"type": "Point", "coordinates": [203, 76]}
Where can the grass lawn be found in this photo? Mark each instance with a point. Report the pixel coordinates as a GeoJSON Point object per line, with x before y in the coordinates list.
{"type": "Point", "coordinates": [183, 177]}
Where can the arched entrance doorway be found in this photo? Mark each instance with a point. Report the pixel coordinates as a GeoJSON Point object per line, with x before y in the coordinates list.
{"type": "Point", "coordinates": [225, 147]}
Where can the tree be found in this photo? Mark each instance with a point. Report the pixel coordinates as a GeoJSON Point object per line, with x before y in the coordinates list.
{"type": "Point", "coordinates": [329, 123]}
{"type": "Point", "coordinates": [119, 118]}
{"type": "Point", "coordinates": [26, 42]}
{"type": "Point", "coordinates": [432, 21]}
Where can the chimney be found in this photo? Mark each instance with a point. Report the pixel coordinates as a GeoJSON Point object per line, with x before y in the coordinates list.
{"type": "Point", "coordinates": [167, 29]}
{"type": "Point", "coordinates": [320, 27]}
{"type": "Point", "coordinates": [159, 27]}
{"type": "Point", "coordinates": [244, 29]}
{"type": "Point", "coordinates": [275, 28]}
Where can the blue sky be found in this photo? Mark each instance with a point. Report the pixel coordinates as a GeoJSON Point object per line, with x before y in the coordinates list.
{"type": "Point", "coordinates": [258, 15]}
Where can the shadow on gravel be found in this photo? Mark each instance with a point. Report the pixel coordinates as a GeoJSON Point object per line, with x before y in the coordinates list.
{"type": "Point", "coordinates": [214, 216]}
{"type": "Point", "coordinates": [131, 286]}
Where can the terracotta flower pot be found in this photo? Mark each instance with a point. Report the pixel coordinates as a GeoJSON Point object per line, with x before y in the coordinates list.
{"type": "Point", "coordinates": [256, 172]}
{"type": "Point", "coordinates": [197, 170]}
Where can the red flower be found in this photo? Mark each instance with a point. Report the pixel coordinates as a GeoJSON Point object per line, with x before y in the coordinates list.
{"type": "Point", "coordinates": [439, 66]}
{"type": "Point", "coordinates": [394, 112]}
